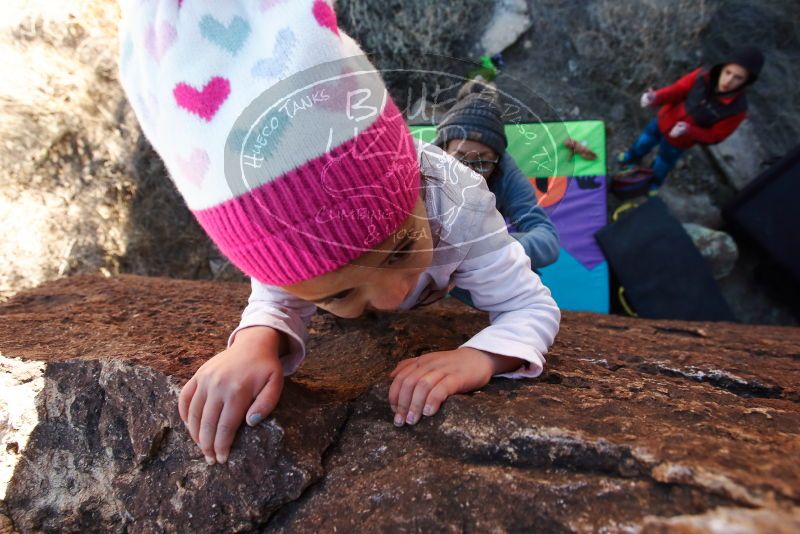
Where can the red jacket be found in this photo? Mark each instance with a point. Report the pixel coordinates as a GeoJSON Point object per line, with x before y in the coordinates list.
{"type": "Point", "coordinates": [672, 98]}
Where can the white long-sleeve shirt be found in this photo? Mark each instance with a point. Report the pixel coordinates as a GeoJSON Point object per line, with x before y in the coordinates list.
{"type": "Point", "coordinates": [472, 250]}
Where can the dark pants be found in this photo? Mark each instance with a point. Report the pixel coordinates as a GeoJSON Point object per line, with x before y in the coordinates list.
{"type": "Point", "coordinates": [666, 158]}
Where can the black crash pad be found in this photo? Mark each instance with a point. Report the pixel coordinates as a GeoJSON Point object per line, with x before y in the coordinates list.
{"type": "Point", "coordinates": [768, 212]}
{"type": "Point", "coordinates": [663, 274]}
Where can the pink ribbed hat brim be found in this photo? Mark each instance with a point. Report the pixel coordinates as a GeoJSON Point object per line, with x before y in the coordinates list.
{"type": "Point", "coordinates": [322, 215]}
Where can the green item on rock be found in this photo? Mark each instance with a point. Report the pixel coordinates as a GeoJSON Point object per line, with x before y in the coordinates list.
{"type": "Point", "coordinates": [488, 70]}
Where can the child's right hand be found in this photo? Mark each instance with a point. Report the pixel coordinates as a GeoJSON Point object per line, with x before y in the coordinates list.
{"type": "Point", "coordinates": [246, 378]}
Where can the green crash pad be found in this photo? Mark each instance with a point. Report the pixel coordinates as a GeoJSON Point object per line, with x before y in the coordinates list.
{"type": "Point", "coordinates": [573, 193]}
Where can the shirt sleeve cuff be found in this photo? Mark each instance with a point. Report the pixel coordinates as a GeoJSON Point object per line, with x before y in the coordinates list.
{"type": "Point", "coordinates": [529, 370]}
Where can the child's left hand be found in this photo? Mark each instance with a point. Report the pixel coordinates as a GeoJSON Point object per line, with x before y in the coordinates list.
{"type": "Point", "coordinates": [422, 384]}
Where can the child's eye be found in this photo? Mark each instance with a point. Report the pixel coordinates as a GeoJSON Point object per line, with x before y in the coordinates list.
{"type": "Point", "coordinates": [401, 253]}
{"type": "Point", "coordinates": [337, 297]}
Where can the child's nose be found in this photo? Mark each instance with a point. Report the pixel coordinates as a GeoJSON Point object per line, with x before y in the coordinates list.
{"type": "Point", "coordinates": [390, 295]}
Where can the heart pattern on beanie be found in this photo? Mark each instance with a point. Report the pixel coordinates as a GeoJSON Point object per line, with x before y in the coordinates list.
{"type": "Point", "coordinates": [338, 89]}
{"type": "Point", "coordinates": [269, 4]}
{"type": "Point", "coordinates": [230, 38]}
{"type": "Point", "coordinates": [326, 16]}
{"type": "Point", "coordinates": [204, 103]}
{"type": "Point", "coordinates": [144, 107]}
{"type": "Point", "coordinates": [217, 88]}
{"type": "Point", "coordinates": [159, 40]}
{"type": "Point", "coordinates": [275, 65]}
{"type": "Point", "coordinates": [194, 168]}
{"type": "Point", "coordinates": [270, 129]}
{"type": "Point", "coordinates": [127, 51]}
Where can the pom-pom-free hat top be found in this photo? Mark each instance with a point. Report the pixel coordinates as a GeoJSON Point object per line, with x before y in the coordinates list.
{"type": "Point", "coordinates": [476, 116]}
{"type": "Point", "coordinates": [275, 128]}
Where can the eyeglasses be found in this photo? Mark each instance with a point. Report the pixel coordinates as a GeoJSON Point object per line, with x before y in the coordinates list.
{"type": "Point", "coordinates": [481, 166]}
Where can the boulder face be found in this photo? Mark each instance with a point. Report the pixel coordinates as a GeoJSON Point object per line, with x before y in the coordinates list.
{"type": "Point", "coordinates": [717, 248]}
{"type": "Point", "coordinates": [111, 452]}
{"type": "Point", "coordinates": [635, 426]}
{"type": "Point", "coordinates": [509, 20]}
{"type": "Point", "coordinates": [740, 157]}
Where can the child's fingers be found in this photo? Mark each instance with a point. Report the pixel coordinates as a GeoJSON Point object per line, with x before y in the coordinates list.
{"type": "Point", "coordinates": [402, 365]}
{"type": "Point", "coordinates": [266, 400]}
{"type": "Point", "coordinates": [208, 427]}
{"type": "Point", "coordinates": [420, 395]}
{"type": "Point", "coordinates": [185, 398]}
{"type": "Point", "coordinates": [410, 382]}
{"type": "Point", "coordinates": [196, 413]}
{"type": "Point", "coordinates": [397, 383]}
{"type": "Point", "coordinates": [439, 393]}
{"type": "Point", "coordinates": [229, 422]}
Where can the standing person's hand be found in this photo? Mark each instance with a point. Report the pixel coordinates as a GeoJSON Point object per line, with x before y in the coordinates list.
{"type": "Point", "coordinates": [679, 129]}
{"type": "Point", "coordinates": [648, 98]}
{"type": "Point", "coordinates": [245, 379]}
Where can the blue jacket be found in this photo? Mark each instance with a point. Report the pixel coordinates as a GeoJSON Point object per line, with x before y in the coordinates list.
{"type": "Point", "coordinates": [516, 200]}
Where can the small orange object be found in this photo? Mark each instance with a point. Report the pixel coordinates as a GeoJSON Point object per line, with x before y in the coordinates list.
{"type": "Point", "coordinates": [549, 191]}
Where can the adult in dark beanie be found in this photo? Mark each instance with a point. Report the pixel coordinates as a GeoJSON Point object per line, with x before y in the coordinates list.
{"type": "Point", "coordinates": [472, 131]}
{"type": "Point", "coordinates": [705, 107]}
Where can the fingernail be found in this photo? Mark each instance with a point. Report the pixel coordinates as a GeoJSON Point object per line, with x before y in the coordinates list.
{"type": "Point", "coordinates": [398, 420]}
{"type": "Point", "coordinates": [411, 418]}
{"type": "Point", "coordinates": [221, 458]}
{"type": "Point", "coordinates": [428, 410]}
{"type": "Point", "coordinates": [254, 419]}
{"type": "Point", "coordinates": [210, 460]}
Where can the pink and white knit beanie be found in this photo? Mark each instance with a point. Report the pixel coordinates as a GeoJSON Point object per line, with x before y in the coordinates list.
{"type": "Point", "coordinates": [275, 128]}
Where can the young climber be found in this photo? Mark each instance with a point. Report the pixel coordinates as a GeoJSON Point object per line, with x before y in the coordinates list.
{"type": "Point", "coordinates": [472, 131]}
{"type": "Point", "coordinates": [285, 145]}
{"type": "Point", "coordinates": [705, 107]}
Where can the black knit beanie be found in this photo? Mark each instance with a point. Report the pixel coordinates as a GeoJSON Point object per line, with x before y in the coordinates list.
{"type": "Point", "coordinates": [751, 59]}
{"type": "Point", "coordinates": [475, 116]}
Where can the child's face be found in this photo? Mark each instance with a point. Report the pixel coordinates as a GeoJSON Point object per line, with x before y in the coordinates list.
{"type": "Point", "coordinates": [379, 280]}
{"type": "Point", "coordinates": [731, 78]}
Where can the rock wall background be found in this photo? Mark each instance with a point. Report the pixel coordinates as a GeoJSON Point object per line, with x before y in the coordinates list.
{"type": "Point", "coordinates": [82, 192]}
{"type": "Point", "coordinates": [80, 189]}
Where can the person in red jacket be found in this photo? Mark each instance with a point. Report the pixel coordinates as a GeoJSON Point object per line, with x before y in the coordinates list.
{"type": "Point", "coordinates": [705, 107]}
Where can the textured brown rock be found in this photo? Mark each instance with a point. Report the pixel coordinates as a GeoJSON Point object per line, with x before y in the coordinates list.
{"type": "Point", "coordinates": [653, 426]}
{"type": "Point", "coordinates": [109, 452]}
{"type": "Point", "coordinates": [6, 526]}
